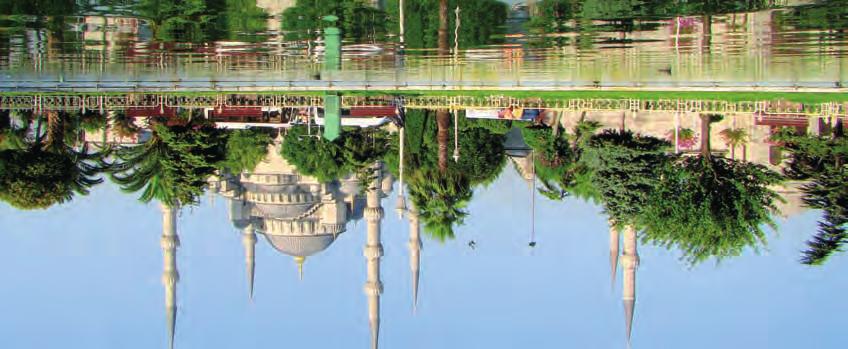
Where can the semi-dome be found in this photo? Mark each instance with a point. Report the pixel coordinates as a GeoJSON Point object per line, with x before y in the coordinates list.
{"type": "Point", "coordinates": [300, 246]}
{"type": "Point", "coordinates": [241, 223]}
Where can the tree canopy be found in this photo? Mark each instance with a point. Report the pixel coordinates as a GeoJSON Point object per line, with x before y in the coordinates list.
{"type": "Point", "coordinates": [49, 168]}
{"type": "Point", "coordinates": [173, 166]}
{"type": "Point", "coordinates": [245, 149]}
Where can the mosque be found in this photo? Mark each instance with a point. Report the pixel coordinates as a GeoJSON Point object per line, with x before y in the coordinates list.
{"type": "Point", "coordinates": [299, 217]}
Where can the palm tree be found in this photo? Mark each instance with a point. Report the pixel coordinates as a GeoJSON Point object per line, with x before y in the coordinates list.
{"type": "Point", "coordinates": [734, 137]}
{"type": "Point", "coordinates": [173, 166]}
{"type": "Point", "coordinates": [440, 199]}
{"type": "Point", "coordinates": [47, 169]}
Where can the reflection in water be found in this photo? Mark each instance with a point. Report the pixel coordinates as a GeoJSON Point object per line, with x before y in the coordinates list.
{"type": "Point", "coordinates": [298, 190]}
{"type": "Point", "coordinates": [565, 44]}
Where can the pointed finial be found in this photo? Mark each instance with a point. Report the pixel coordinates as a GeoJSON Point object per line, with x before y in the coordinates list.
{"type": "Point", "coordinates": [172, 322]}
{"type": "Point", "coordinates": [300, 260]}
{"type": "Point", "coordinates": [629, 308]}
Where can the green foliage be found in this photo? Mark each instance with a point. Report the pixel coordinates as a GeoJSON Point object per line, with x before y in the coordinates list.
{"type": "Point", "coordinates": [555, 16]}
{"type": "Point", "coordinates": [440, 199]}
{"type": "Point", "coordinates": [562, 166]}
{"type": "Point", "coordinates": [353, 152]}
{"type": "Point", "coordinates": [173, 166]}
{"type": "Point", "coordinates": [245, 149]}
{"type": "Point", "coordinates": [238, 20]}
{"type": "Point", "coordinates": [358, 20]}
{"type": "Point", "coordinates": [480, 20]}
{"type": "Point", "coordinates": [37, 7]}
{"type": "Point", "coordinates": [821, 15]}
{"type": "Point", "coordinates": [177, 19]}
{"type": "Point", "coordinates": [92, 121]}
{"type": "Point", "coordinates": [821, 160]}
{"type": "Point", "coordinates": [710, 207]}
{"type": "Point", "coordinates": [37, 179]}
{"type": "Point", "coordinates": [626, 168]}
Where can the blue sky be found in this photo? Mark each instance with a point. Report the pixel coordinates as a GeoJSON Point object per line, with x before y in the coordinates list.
{"type": "Point", "coordinates": [87, 275]}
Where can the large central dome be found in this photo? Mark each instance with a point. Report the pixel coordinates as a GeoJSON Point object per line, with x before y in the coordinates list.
{"type": "Point", "coordinates": [300, 246]}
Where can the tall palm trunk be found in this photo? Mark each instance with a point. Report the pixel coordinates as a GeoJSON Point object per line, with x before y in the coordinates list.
{"type": "Point", "coordinates": [55, 130]}
{"type": "Point", "coordinates": [443, 122]}
{"type": "Point", "coordinates": [443, 27]}
{"type": "Point", "coordinates": [733, 152]}
{"type": "Point", "coordinates": [705, 135]}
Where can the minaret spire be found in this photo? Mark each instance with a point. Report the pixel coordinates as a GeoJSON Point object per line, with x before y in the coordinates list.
{"type": "Point", "coordinates": [613, 247]}
{"type": "Point", "coordinates": [629, 262]}
{"type": "Point", "coordinates": [401, 202]}
{"type": "Point", "coordinates": [169, 242]}
{"type": "Point", "coordinates": [414, 253]}
{"type": "Point", "coordinates": [373, 252]}
{"type": "Point", "coordinates": [249, 241]}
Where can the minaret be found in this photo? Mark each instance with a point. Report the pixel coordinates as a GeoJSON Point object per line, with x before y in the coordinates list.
{"type": "Point", "coordinates": [248, 240]}
{"type": "Point", "coordinates": [170, 242]}
{"type": "Point", "coordinates": [414, 253]}
{"type": "Point", "coordinates": [629, 262]}
{"type": "Point", "coordinates": [373, 252]}
{"type": "Point", "coordinates": [613, 247]}
{"type": "Point", "coordinates": [401, 201]}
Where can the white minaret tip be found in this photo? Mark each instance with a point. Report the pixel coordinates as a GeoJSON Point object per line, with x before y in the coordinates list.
{"type": "Point", "coordinates": [249, 242]}
{"type": "Point", "coordinates": [614, 251]}
{"type": "Point", "coordinates": [629, 309]}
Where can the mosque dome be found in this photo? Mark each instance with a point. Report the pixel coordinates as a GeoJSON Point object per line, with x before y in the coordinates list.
{"type": "Point", "coordinates": [300, 246]}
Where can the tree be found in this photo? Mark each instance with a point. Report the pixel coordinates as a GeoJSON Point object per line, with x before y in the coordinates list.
{"type": "Point", "coordinates": [441, 195]}
{"type": "Point", "coordinates": [443, 121]}
{"type": "Point", "coordinates": [245, 149]}
{"type": "Point", "coordinates": [173, 166]}
{"type": "Point", "coordinates": [443, 27]}
{"type": "Point", "coordinates": [358, 20]}
{"type": "Point", "coordinates": [354, 152]}
{"type": "Point", "coordinates": [821, 161]}
{"type": "Point", "coordinates": [177, 19]}
{"type": "Point", "coordinates": [440, 198]}
{"type": "Point", "coordinates": [481, 20]}
{"type": "Point", "coordinates": [46, 170]}
{"type": "Point", "coordinates": [709, 206]}
{"type": "Point", "coordinates": [626, 172]}
{"type": "Point", "coordinates": [735, 137]}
